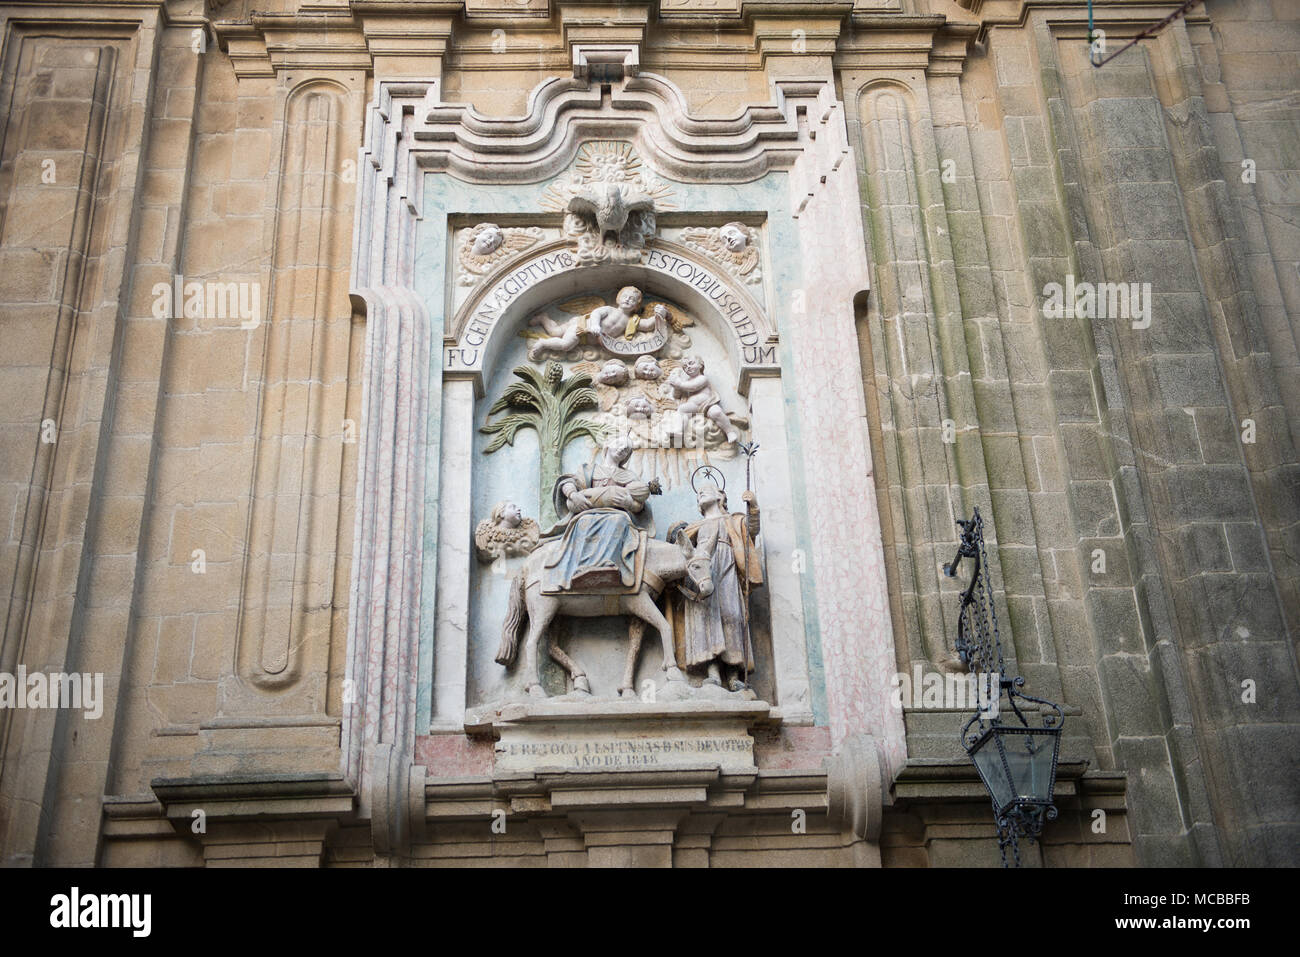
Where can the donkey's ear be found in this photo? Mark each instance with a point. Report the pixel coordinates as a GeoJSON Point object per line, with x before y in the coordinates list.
{"type": "Point", "coordinates": [684, 543]}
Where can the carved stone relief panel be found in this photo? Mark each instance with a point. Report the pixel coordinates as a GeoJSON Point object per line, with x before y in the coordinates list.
{"type": "Point", "coordinates": [628, 396]}
{"type": "Point", "coordinates": [597, 423]}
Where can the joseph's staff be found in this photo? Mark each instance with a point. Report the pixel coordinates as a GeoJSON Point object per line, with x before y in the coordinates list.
{"type": "Point", "coordinates": [750, 449]}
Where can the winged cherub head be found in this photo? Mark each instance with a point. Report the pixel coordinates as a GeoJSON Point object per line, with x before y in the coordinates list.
{"type": "Point", "coordinates": [735, 237]}
{"type": "Point", "coordinates": [488, 239]}
{"type": "Point", "coordinates": [613, 372]}
{"type": "Point", "coordinates": [639, 407]}
{"type": "Point", "coordinates": [647, 367]}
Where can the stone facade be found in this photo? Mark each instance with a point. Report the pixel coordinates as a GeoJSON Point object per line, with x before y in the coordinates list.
{"type": "Point", "coordinates": [246, 364]}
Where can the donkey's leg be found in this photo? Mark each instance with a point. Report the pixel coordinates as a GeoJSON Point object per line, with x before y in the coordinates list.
{"type": "Point", "coordinates": [635, 631]}
{"type": "Point", "coordinates": [644, 607]}
{"type": "Point", "coordinates": [541, 610]}
{"type": "Point", "coordinates": [574, 669]}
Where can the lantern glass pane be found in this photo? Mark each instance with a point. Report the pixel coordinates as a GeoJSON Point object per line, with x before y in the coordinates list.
{"type": "Point", "coordinates": [1017, 765]}
{"type": "Point", "coordinates": [1030, 758]}
{"type": "Point", "coordinates": [988, 761]}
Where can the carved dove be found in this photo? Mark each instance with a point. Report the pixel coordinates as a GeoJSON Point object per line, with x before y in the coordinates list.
{"type": "Point", "coordinates": [609, 205]}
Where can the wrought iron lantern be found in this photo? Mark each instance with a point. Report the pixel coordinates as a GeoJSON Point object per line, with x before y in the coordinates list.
{"type": "Point", "coordinates": [1016, 759]}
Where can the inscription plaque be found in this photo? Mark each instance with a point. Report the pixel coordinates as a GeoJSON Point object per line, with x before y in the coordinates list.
{"type": "Point", "coordinates": [621, 737]}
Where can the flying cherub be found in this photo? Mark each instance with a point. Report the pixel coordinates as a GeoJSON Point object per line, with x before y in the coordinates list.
{"type": "Point", "coordinates": [621, 320]}
{"type": "Point", "coordinates": [559, 338]}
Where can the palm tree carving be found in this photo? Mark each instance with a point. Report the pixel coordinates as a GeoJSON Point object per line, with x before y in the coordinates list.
{"type": "Point", "coordinates": [548, 403]}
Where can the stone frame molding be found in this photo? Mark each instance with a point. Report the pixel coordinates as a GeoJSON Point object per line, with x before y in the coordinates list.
{"type": "Point", "coordinates": [410, 132]}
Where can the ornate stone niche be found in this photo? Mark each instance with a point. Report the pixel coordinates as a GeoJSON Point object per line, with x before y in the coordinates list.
{"type": "Point", "coordinates": [609, 333]}
{"type": "Point", "coordinates": [608, 266]}
{"type": "Point", "coordinates": [597, 329]}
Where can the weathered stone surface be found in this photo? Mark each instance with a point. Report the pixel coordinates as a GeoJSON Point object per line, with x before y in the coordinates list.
{"type": "Point", "coordinates": [254, 520]}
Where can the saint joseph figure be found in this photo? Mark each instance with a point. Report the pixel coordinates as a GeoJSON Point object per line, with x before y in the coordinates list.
{"type": "Point", "coordinates": [717, 631]}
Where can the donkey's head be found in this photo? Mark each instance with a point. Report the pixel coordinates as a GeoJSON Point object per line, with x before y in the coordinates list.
{"type": "Point", "coordinates": [699, 578]}
{"type": "Point", "coordinates": [697, 583]}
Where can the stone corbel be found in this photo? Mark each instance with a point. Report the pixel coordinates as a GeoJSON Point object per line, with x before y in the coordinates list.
{"type": "Point", "coordinates": [246, 47]}
{"type": "Point", "coordinates": [583, 23]}
{"type": "Point", "coordinates": [855, 787]}
{"type": "Point", "coordinates": [952, 44]}
{"type": "Point", "coordinates": [269, 43]}
{"type": "Point", "coordinates": [396, 800]}
{"type": "Point", "coordinates": [891, 43]}
{"type": "Point", "coordinates": [801, 35]}
{"type": "Point", "coordinates": [606, 62]}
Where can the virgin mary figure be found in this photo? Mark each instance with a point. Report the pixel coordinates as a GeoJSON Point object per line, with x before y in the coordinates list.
{"type": "Point", "coordinates": [601, 536]}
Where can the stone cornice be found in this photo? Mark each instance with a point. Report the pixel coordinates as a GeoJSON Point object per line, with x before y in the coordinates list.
{"type": "Point", "coordinates": [118, 13]}
{"type": "Point", "coordinates": [253, 797]}
{"type": "Point", "coordinates": [939, 779]}
{"type": "Point", "coordinates": [362, 33]}
{"type": "Point", "coordinates": [1122, 18]}
{"type": "Point", "coordinates": [410, 37]}
{"type": "Point", "coordinates": [847, 788]}
{"type": "Point", "coordinates": [650, 111]}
